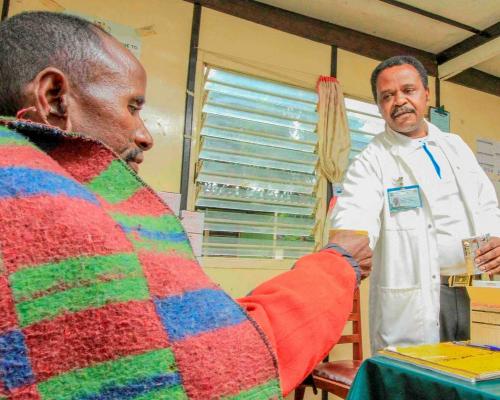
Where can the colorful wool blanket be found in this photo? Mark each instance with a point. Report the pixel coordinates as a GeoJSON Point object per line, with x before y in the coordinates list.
{"type": "Point", "coordinates": [100, 294]}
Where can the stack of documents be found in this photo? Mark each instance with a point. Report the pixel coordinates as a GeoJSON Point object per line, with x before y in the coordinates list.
{"type": "Point", "coordinates": [455, 359]}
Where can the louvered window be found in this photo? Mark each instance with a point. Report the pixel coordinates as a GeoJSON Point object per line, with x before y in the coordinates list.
{"type": "Point", "coordinates": [256, 171]}
{"type": "Point", "coordinates": [365, 122]}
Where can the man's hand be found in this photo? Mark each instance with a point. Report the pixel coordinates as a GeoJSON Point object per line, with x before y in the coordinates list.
{"type": "Point", "coordinates": [357, 245]}
{"type": "Point", "coordinates": [488, 256]}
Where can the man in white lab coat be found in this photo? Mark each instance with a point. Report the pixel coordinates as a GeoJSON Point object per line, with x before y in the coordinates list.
{"type": "Point", "coordinates": [418, 192]}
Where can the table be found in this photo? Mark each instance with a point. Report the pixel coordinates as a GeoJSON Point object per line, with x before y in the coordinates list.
{"type": "Point", "coordinates": [381, 378]}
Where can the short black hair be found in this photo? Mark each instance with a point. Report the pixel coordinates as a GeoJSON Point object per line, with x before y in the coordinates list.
{"type": "Point", "coordinates": [32, 41]}
{"type": "Point", "coordinates": [398, 60]}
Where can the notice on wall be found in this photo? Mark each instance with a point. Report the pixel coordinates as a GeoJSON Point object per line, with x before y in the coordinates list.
{"type": "Point", "coordinates": [126, 35]}
{"type": "Point", "coordinates": [488, 156]}
{"type": "Point", "coordinates": [439, 117]}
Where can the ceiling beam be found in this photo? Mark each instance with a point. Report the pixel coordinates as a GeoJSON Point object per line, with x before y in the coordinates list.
{"type": "Point", "coordinates": [319, 31]}
{"type": "Point", "coordinates": [433, 16]}
{"type": "Point", "coordinates": [467, 60]}
{"type": "Point", "coordinates": [479, 80]}
{"type": "Point", "coordinates": [358, 42]}
{"type": "Point", "coordinates": [470, 43]}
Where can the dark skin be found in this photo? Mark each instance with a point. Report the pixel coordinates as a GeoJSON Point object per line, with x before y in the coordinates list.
{"type": "Point", "coordinates": [402, 100]}
{"type": "Point", "coordinates": [488, 256]}
{"type": "Point", "coordinates": [107, 107]}
{"type": "Point", "coordinates": [355, 244]}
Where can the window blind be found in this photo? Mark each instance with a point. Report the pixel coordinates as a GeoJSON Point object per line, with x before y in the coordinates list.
{"type": "Point", "coordinates": [365, 122]}
{"type": "Point", "coordinates": [256, 170]}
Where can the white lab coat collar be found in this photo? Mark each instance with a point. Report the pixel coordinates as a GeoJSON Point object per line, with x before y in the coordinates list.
{"type": "Point", "coordinates": [402, 145]}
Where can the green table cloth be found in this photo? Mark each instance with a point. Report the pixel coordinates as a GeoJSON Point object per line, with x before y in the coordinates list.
{"type": "Point", "coordinates": [386, 379]}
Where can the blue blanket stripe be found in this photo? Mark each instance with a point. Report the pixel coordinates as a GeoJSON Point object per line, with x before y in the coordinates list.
{"type": "Point", "coordinates": [24, 182]}
{"type": "Point", "coordinates": [197, 312]}
{"type": "Point", "coordinates": [6, 132]}
{"type": "Point", "coordinates": [156, 235]}
{"type": "Point", "coordinates": [135, 388]}
{"type": "Point", "coordinates": [15, 368]}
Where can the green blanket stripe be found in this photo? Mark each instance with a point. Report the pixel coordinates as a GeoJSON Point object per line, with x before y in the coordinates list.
{"type": "Point", "coordinates": [266, 391]}
{"type": "Point", "coordinates": [183, 248]}
{"type": "Point", "coordinates": [6, 141]}
{"type": "Point", "coordinates": [115, 183]}
{"type": "Point", "coordinates": [70, 273]}
{"type": "Point", "coordinates": [81, 298]}
{"type": "Point", "coordinates": [92, 380]}
{"type": "Point", "coordinates": [165, 223]}
{"type": "Point", "coordinates": [170, 393]}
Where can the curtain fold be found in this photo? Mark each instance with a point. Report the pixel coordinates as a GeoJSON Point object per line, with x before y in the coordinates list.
{"type": "Point", "coordinates": [334, 140]}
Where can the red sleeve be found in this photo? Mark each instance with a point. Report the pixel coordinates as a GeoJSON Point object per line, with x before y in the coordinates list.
{"type": "Point", "coordinates": [303, 312]}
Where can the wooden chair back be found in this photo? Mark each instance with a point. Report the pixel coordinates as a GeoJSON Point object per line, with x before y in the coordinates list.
{"type": "Point", "coordinates": [356, 336]}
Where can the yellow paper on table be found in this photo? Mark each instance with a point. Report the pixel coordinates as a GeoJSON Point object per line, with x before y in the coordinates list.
{"type": "Point", "coordinates": [461, 361]}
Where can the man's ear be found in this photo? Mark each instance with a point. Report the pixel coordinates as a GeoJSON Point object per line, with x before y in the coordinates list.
{"type": "Point", "coordinates": [50, 94]}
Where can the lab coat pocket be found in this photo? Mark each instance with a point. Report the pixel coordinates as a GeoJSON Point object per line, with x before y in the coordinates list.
{"type": "Point", "coordinates": [401, 319]}
{"type": "Point", "coordinates": [401, 257]}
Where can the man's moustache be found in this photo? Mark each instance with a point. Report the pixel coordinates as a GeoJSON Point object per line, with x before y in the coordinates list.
{"type": "Point", "coordinates": [132, 155]}
{"type": "Point", "coordinates": [402, 110]}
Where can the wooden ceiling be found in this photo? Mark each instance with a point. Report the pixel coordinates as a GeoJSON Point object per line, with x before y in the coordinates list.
{"type": "Point", "coordinates": [432, 26]}
{"type": "Point", "coordinates": [457, 40]}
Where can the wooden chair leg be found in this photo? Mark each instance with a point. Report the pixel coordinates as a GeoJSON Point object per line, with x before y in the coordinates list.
{"type": "Point", "coordinates": [299, 393]}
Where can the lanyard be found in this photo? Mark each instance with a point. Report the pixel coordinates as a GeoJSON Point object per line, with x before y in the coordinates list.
{"type": "Point", "coordinates": [433, 160]}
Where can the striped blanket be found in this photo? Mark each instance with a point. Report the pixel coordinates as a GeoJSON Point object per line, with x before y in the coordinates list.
{"type": "Point", "coordinates": [100, 294]}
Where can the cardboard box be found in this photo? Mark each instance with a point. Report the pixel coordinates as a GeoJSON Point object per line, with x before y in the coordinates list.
{"type": "Point", "coordinates": [173, 201]}
{"type": "Point", "coordinates": [196, 240]}
{"type": "Point", "coordinates": [485, 312]}
{"type": "Point", "coordinates": [485, 325]}
{"type": "Point", "coordinates": [193, 221]}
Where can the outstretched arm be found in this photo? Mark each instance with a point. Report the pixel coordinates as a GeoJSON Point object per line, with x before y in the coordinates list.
{"type": "Point", "coordinates": [303, 312]}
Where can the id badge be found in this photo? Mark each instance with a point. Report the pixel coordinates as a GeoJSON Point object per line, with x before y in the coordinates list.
{"type": "Point", "coordinates": [404, 198]}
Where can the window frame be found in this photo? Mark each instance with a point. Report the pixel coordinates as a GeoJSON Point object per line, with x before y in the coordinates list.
{"type": "Point", "coordinates": [321, 186]}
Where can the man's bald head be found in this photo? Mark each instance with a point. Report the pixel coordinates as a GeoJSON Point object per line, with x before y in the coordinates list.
{"type": "Point", "coordinates": [32, 41]}
{"type": "Point", "coordinates": [71, 74]}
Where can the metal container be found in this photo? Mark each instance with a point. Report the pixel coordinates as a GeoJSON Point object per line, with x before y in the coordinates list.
{"type": "Point", "coordinates": [470, 246]}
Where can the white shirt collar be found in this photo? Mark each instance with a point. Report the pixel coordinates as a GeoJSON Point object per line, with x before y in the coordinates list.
{"type": "Point", "coordinates": [408, 145]}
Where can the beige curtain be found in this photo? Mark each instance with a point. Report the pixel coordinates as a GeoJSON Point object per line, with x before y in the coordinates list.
{"type": "Point", "coordinates": [334, 141]}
